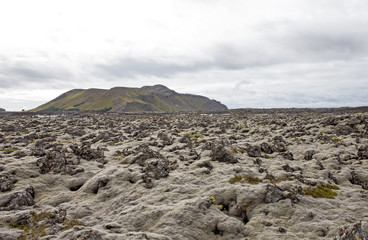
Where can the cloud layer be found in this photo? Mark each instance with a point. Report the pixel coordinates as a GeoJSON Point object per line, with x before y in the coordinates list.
{"type": "Point", "coordinates": [243, 53]}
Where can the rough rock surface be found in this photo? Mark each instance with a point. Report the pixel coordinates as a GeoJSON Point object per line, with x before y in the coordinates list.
{"type": "Point", "coordinates": [294, 174]}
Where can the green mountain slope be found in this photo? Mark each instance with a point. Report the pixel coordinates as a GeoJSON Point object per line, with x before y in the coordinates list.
{"type": "Point", "coordinates": [122, 99]}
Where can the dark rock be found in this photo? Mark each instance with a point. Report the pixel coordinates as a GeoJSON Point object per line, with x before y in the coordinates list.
{"type": "Point", "coordinates": [266, 148]}
{"type": "Point", "coordinates": [278, 147]}
{"type": "Point", "coordinates": [254, 151]}
{"type": "Point", "coordinates": [353, 232]}
{"type": "Point", "coordinates": [273, 194]}
{"type": "Point", "coordinates": [332, 177]}
{"type": "Point", "coordinates": [282, 230]}
{"type": "Point", "coordinates": [207, 164]}
{"type": "Point", "coordinates": [309, 155]}
{"type": "Point", "coordinates": [219, 153]}
{"type": "Point", "coordinates": [331, 121]}
{"type": "Point", "coordinates": [8, 128]}
{"type": "Point", "coordinates": [278, 139]}
{"type": "Point", "coordinates": [2, 110]}
{"type": "Point", "coordinates": [363, 152]}
{"type": "Point", "coordinates": [155, 170]}
{"type": "Point", "coordinates": [193, 154]}
{"type": "Point", "coordinates": [320, 165]}
{"type": "Point", "coordinates": [144, 153]}
{"type": "Point", "coordinates": [288, 155]}
{"type": "Point", "coordinates": [78, 132]}
{"type": "Point", "coordinates": [354, 121]}
{"type": "Point", "coordinates": [20, 154]}
{"type": "Point", "coordinates": [356, 180]}
{"type": "Point", "coordinates": [186, 139]}
{"type": "Point", "coordinates": [100, 184]}
{"type": "Point", "coordinates": [287, 168]}
{"type": "Point", "coordinates": [55, 161]}
{"type": "Point", "coordinates": [343, 130]}
{"type": "Point", "coordinates": [7, 182]}
{"type": "Point", "coordinates": [165, 139]}
{"type": "Point", "coordinates": [19, 200]}
{"type": "Point", "coordinates": [87, 153]}
{"type": "Point", "coordinates": [258, 161]}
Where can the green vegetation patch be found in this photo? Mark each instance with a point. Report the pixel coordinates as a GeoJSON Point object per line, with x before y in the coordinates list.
{"type": "Point", "coordinates": [234, 151]}
{"type": "Point", "coordinates": [34, 224]}
{"type": "Point", "coordinates": [278, 179]}
{"type": "Point", "coordinates": [193, 135]}
{"type": "Point", "coordinates": [9, 150]}
{"type": "Point", "coordinates": [246, 178]}
{"type": "Point", "coordinates": [322, 192]}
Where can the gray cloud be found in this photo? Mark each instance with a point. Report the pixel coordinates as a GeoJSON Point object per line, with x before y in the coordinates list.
{"type": "Point", "coordinates": [14, 74]}
{"type": "Point", "coordinates": [309, 53]}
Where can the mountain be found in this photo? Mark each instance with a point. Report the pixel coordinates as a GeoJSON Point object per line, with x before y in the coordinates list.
{"type": "Point", "coordinates": [122, 99]}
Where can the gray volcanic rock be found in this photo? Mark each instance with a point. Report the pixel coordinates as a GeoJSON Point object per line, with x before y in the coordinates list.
{"type": "Point", "coordinates": [2, 110]}
{"type": "Point", "coordinates": [294, 174]}
{"type": "Point", "coordinates": [7, 182]}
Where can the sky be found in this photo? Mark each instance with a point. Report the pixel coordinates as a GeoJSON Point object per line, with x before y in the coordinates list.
{"type": "Point", "coordinates": [244, 53]}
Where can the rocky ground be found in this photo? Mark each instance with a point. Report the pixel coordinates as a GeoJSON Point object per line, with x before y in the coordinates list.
{"type": "Point", "coordinates": [184, 176]}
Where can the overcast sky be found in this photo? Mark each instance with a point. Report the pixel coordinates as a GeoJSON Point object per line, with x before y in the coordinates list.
{"type": "Point", "coordinates": [244, 53]}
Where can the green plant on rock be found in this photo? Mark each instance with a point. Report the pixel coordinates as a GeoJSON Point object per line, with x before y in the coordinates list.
{"type": "Point", "coordinates": [322, 192]}
{"type": "Point", "coordinates": [246, 178]}
{"type": "Point", "coordinates": [68, 224]}
{"type": "Point", "coordinates": [9, 150]}
{"type": "Point", "coordinates": [34, 225]}
{"type": "Point", "coordinates": [234, 150]}
{"type": "Point", "coordinates": [193, 135]}
{"type": "Point", "coordinates": [278, 179]}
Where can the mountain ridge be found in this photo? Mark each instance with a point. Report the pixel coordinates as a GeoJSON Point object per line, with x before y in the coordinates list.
{"type": "Point", "coordinates": [156, 98]}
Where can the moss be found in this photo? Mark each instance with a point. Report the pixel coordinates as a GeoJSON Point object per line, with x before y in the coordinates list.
{"type": "Point", "coordinates": [267, 156]}
{"type": "Point", "coordinates": [68, 224]}
{"type": "Point", "coordinates": [336, 139]}
{"type": "Point", "coordinates": [278, 179]}
{"type": "Point", "coordinates": [174, 166]}
{"type": "Point", "coordinates": [235, 179]}
{"type": "Point", "coordinates": [9, 150]}
{"type": "Point", "coordinates": [335, 187]}
{"type": "Point", "coordinates": [113, 143]}
{"type": "Point", "coordinates": [234, 150]}
{"type": "Point", "coordinates": [242, 179]}
{"type": "Point", "coordinates": [34, 226]}
{"type": "Point", "coordinates": [321, 192]}
{"type": "Point", "coordinates": [193, 135]}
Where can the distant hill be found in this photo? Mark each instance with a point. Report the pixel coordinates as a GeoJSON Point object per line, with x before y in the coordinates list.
{"type": "Point", "coordinates": [122, 99]}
